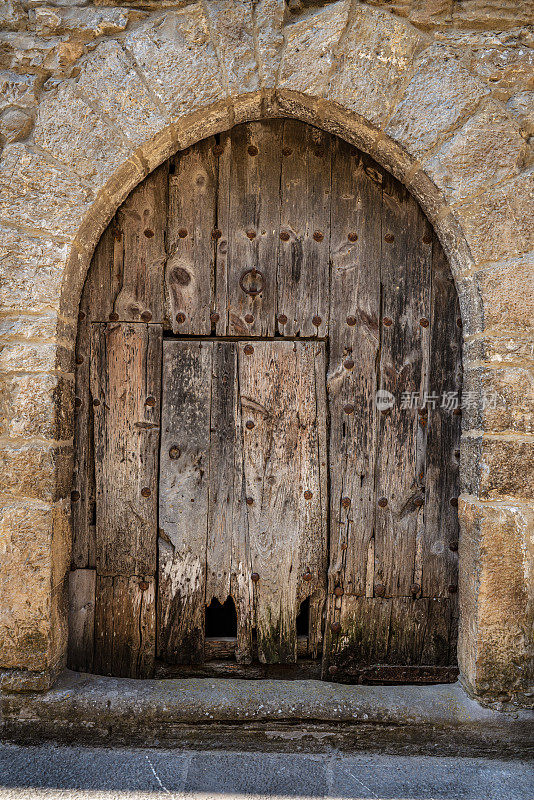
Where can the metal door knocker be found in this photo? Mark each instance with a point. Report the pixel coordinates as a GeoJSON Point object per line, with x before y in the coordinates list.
{"type": "Point", "coordinates": [255, 274]}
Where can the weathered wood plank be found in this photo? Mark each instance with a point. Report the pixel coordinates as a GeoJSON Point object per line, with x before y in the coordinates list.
{"type": "Point", "coordinates": [405, 278]}
{"type": "Point", "coordinates": [440, 543]}
{"type": "Point", "coordinates": [280, 393]}
{"type": "Point", "coordinates": [183, 502]}
{"type": "Point", "coordinates": [125, 629]}
{"type": "Point", "coordinates": [82, 585]}
{"type": "Point", "coordinates": [189, 273]}
{"type": "Point", "coordinates": [303, 259]}
{"type": "Point", "coordinates": [125, 387]}
{"type": "Point", "coordinates": [249, 219]}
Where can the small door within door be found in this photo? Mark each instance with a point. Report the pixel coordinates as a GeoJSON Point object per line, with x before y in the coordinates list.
{"type": "Point", "coordinates": [243, 496]}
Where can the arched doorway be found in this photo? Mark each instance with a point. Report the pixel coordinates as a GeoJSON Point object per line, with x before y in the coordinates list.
{"type": "Point", "coordinates": [268, 367]}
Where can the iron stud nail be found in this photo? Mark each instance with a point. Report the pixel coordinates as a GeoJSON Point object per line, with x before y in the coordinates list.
{"type": "Point", "coordinates": [351, 320]}
{"type": "Point", "coordinates": [335, 627]}
{"type": "Point", "coordinates": [113, 317]}
{"type": "Point", "coordinates": [180, 318]}
{"type": "Point", "coordinates": [79, 359]}
{"type": "Point", "coordinates": [146, 492]}
{"type": "Point", "coordinates": [282, 319]}
{"type": "Point", "coordinates": [453, 588]}
{"type": "Point", "coordinates": [75, 495]}
{"type": "Point", "coordinates": [286, 151]}
{"type": "Point", "coordinates": [316, 321]}
{"type": "Point", "coordinates": [149, 233]}
{"type": "Point", "coordinates": [389, 238]}
{"type": "Point", "coordinates": [252, 150]}
{"type": "Point", "coordinates": [332, 670]}
{"type": "Point", "coordinates": [251, 235]}
{"type": "Point", "coordinates": [459, 323]}
{"type": "Point", "coordinates": [387, 321]}
{"type": "Point", "coordinates": [217, 150]}
{"type": "Point", "coordinates": [457, 412]}
{"type": "Point", "coordinates": [174, 452]}
{"type": "Point", "coordinates": [249, 501]}
{"type": "Point", "coordinates": [249, 318]}
{"type": "Point", "coordinates": [339, 591]}
{"type": "Point", "coordinates": [284, 236]}
{"type": "Point", "coordinates": [254, 577]}
{"type": "Point", "coordinates": [427, 238]}
{"type": "Point", "coordinates": [318, 236]}
{"type": "Point", "coordinates": [348, 409]}
{"type": "Point", "coordinates": [214, 317]}
{"type": "Point", "coordinates": [348, 364]}
{"type": "Point", "coordinates": [146, 316]}
{"type": "Point", "coordinates": [143, 585]}
{"type": "Point", "coordinates": [96, 402]}
{"type": "Point", "coordinates": [352, 237]}
{"type": "Point", "coordinates": [380, 589]}
{"type": "Point", "coordinates": [454, 502]}
{"type": "Point", "coordinates": [383, 501]}
{"type": "Point", "coordinates": [307, 576]}
{"type": "Point", "coordinates": [249, 425]}
{"type": "Point", "coordinates": [308, 495]}
{"type": "Point", "coordinates": [182, 233]}
{"type": "Point", "coordinates": [423, 322]}
{"type": "Point", "coordinates": [248, 349]}
{"type": "Point", "coordinates": [150, 401]}
{"type": "Point", "coordinates": [346, 502]}
{"type": "Point", "coordinates": [216, 233]}
{"type": "Point", "coordinates": [415, 588]}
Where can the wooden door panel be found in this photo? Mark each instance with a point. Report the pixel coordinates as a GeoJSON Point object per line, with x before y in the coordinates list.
{"type": "Point", "coordinates": [183, 499]}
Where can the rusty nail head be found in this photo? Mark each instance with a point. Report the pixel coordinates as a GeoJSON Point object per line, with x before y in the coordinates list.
{"type": "Point", "coordinates": [174, 452]}
{"type": "Point", "coordinates": [459, 323]}
{"type": "Point", "coordinates": [249, 425]}
{"type": "Point", "coordinates": [389, 237]}
{"type": "Point", "coordinates": [252, 150]}
{"type": "Point", "coordinates": [180, 318]}
{"type": "Point", "coordinates": [249, 501]}
{"type": "Point", "coordinates": [113, 317]}
{"type": "Point", "coordinates": [454, 501]}
{"type": "Point", "coordinates": [149, 233]}
{"type": "Point", "coordinates": [454, 547]}
{"type": "Point", "coordinates": [150, 401]}
{"type": "Point", "coordinates": [286, 151]}
{"type": "Point", "coordinates": [146, 492]}
{"type": "Point", "coordinates": [415, 588]}
{"type": "Point", "coordinates": [423, 322]}
{"type": "Point", "coordinates": [214, 317]}
{"type": "Point", "coordinates": [284, 236]}
{"type": "Point", "coordinates": [387, 321]}
{"type": "Point", "coordinates": [143, 585]}
{"type": "Point", "coordinates": [282, 319]}
{"type": "Point", "coordinates": [335, 626]}
{"type": "Point", "coordinates": [216, 233]}
{"type": "Point", "coordinates": [77, 402]}
{"type": "Point", "coordinates": [348, 409]}
{"type": "Point", "coordinates": [332, 670]}
{"type": "Point", "coordinates": [351, 320]}
{"type": "Point", "coordinates": [348, 364]}
{"type": "Point", "coordinates": [316, 321]}
{"type": "Point", "coordinates": [383, 501]}
{"type": "Point", "coordinates": [457, 412]}
{"type": "Point", "coordinates": [307, 576]}
{"type": "Point", "coordinates": [75, 495]}
{"type": "Point", "coordinates": [427, 238]}
{"type": "Point", "coordinates": [217, 150]}
{"type": "Point", "coordinates": [380, 589]}
{"type": "Point", "coordinates": [318, 236]}
{"type": "Point", "coordinates": [352, 237]}
{"type": "Point", "coordinates": [453, 588]}
{"type": "Point", "coordinates": [308, 495]}
{"type": "Point", "coordinates": [251, 234]}
{"type": "Point", "coordinates": [146, 316]}
{"type": "Point", "coordinates": [96, 401]}
{"type": "Point", "coordinates": [254, 577]}
{"type": "Point", "coordinates": [248, 349]}
{"type": "Point", "coordinates": [339, 591]}
{"type": "Point", "coordinates": [249, 318]}
{"type": "Point", "coordinates": [346, 502]}
{"type": "Point", "coordinates": [79, 359]}
{"type": "Point", "coordinates": [182, 233]}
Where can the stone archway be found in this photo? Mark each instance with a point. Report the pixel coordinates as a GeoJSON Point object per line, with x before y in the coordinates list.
{"type": "Point", "coordinates": [174, 78]}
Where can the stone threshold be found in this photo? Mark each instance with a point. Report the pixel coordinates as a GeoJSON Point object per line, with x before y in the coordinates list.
{"type": "Point", "coordinates": [277, 715]}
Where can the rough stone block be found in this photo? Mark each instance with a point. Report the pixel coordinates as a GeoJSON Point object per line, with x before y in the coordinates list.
{"type": "Point", "coordinates": [494, 468]}
{"type": "Point", "coordinates": [109, 79]}
{"type": "Point", "coordinates": [374, 63]}
{"type": "Point", "coordinates": [269, 19]}
{"type": "Point", "coordinates": [499, 400]}
{"type": "Point", "coordinates": [310, 49]}
{"type": "Point", "coordinates": [85, 23]}
{"type": "Point", "coordinates": [498, 222]}
{"type": "Point", "coordinates": [39, 194]}
{"type": "Point", "coordinates": [234, 38]}
{"type": "Point", "coordinates": [487, 149]}
{"type": "Point", "coordinates": [507, 292]}
{"type": "Point", "coordinates": [521, 105]}
{"type": "Point", "coordinates": [34, 357]}
{"type": "Point", "coordinates": [438, 95]}
{"type": "Point", "coordinates": [32, 272]}
{"type": "Point", "coordinates": [68, 129]}
{"type": "Point", "coordinates": [17, 90]}
{"type": "Point", "coordinates": [502, 349]}
{"type": "Point", "coordinates": [36, 405]}
{"type": "Point", "coordinates": [25, 580]}
{"type": "Point", "coordinates": [178, 59]}
{"type": "Point", "coordinates": [36, 471]}
{"type": "Point", "coordinates": [497, 541]}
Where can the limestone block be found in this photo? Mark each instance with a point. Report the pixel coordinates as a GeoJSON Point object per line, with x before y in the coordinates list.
{"type": "Point", "coordinates": [37, 405]}
{"type": "Point", "coordinates": [269, 19]}
{"type": "Point", "coordinates": [87, 23]}
{"type": "Point", "coordinates": [109, 79]}
{"type": "Point", "coordinates": [68, 129]}
{"type": "Point", "coordinates": [497, 468]}
{"type": "Point", "coordinates": [234, 37]}
{"type": "Point", "coordinates": [497, 591]}
{"type": "Point", "coordinates": [429, 15]}
{"type": "Point", "coordinates": [310, 49]}
{"type": "Point", "coordinates": [25, 583]}
{"type": "Point", "coordinates": [36, 471]}
{"type": "Point", "coordinates": [17, 90]}
{"type": "Point", "coordinates": [40, 195]}
{"type": "Point", "coordinates": [438, 95]}
{"type": "Point", "coordinates": [24, 327]}
{"type": "Point", "coordinates": [179, 60]}
{"type": "Point", "coordinates": [471, 305]}
{"type": "Point", "coordinates": [488, 148]}
{"type": "Point", "coordinates": [501, 349]}
{"type": "Point", "coordinates": [499, 400]}
{"type": "Point", "coordinates": [496, 15]}
{"type": "Point", "coordinates": [15, 125]}
{"type": "Point", "coordinates": [521, 105]}
{"type": "Point", "coordinates": [507, 291]}
{"type": "Point", "coordinates": [34, 356]}
{"type": "Point", "coordinates": [12, 15]}
{"type": "Point", "coordinates": [31, 272]}
{"type": "Point", "coordinates": [374, 63]}
{"type": "Point", "coordinates": [498, 222]}
{"type": "Point", "coordinates": [61, 544]}
{"type": "Point", "coordinates": [23, 52]}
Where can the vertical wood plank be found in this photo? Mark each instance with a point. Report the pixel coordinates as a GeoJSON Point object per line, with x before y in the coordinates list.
{"type": "Point", "coordinates": [249, 219]}
{"type": "Point", "coordinates": [82, 585]}
{"type": "Point", "coordinates": [125, 387]}
{"type": "Point", "coordinates": [406, 265]}
{"type": "Point", "coordinates": [284, 482]}
{"type": "Point", "coordinates": [303, 259]}
{"type": "Point", "coordinates": [189, 273]}
{"type": "Point", "coordinates": [183, 502]}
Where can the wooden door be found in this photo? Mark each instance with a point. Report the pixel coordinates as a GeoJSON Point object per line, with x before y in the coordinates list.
{"type": "Point", "coordinates": [285, 303]}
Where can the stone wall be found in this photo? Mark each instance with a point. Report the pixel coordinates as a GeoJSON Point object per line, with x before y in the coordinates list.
{"type": "Point", "coordinates": [96, 94]}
